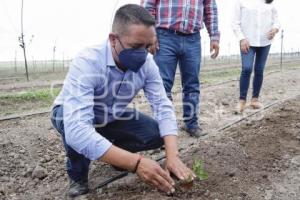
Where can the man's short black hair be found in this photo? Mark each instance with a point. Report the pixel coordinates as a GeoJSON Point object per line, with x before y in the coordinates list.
{"type": "Point", "coordinates": [131, 14]}
{"type": "Point", "coordinates": [269, 1]}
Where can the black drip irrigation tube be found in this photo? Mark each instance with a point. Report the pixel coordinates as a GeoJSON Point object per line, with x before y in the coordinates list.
{"type": "Point", "coordinates": [23, 115]}
{"type": "Point", "coordinates": [254, 113]}
{"type": "Point", "coordinates": [234, 80]}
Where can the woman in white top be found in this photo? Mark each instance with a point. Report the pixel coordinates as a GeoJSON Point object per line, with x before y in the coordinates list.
{"type": "Point", "coordinates": [255, 24]}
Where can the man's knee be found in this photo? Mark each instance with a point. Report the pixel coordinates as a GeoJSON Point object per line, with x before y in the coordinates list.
{"type": "Point", "coordinates": [152, 127]}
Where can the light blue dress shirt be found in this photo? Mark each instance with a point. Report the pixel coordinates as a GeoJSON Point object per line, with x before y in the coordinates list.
{"type": "Point", "coordinates": [96, 92]}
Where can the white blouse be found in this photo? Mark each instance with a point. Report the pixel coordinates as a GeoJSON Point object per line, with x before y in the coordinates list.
{"type": "Point", "coordinates": [253, 19]}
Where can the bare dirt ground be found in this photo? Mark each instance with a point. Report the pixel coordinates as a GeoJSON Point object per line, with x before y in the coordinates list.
{"type": "Point", "coordinates": [258, 159]}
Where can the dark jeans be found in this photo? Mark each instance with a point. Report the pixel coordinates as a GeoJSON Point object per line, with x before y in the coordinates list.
{"type": "Point", "coordinates": [186, 51]}
{"type": "Point", "coordinates": [139, 133]}
{"type": "Point", "coordinates": [260, 55]}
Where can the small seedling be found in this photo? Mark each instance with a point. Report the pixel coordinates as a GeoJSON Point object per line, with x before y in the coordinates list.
{"type": "Point", "coordinates": [199, 170]}
{"type": "Point", "coordinates": [201, 174]}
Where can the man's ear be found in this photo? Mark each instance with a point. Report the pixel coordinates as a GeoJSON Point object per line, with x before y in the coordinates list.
{"type": "Point", "coordinates": [112, 39]}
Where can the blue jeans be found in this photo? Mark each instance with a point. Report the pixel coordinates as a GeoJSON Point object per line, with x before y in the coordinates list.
{"type": "Point", "coordinates": [186, 51]}
{"type": "Point", "coordinates": [139, 133]}
{"type": "Point", "coordinates": [260, 55]}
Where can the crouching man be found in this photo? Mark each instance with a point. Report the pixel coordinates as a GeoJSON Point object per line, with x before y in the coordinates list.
{"type": "Point", "coordinates": [91, 111]}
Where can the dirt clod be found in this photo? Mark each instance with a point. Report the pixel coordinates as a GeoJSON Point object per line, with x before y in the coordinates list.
{"type": "Point", "coordinates": [39, 172]}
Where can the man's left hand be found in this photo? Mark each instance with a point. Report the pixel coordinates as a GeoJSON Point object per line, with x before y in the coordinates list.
{"type": "Point", "coordinates": [175, 166]}
{"type": "Point", "coordinates": [214, 49]}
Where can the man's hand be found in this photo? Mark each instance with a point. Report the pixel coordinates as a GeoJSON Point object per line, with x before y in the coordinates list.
{"type": "Point", "coordinates": [214, 49]}
{"type": "Point", "coordinates": [173, 163]}
{"type": "Point", "coordinates": [175, 166]}
{"type": "Point", "coordinates": [151, 173]}
{"type": "Point", "coordinates": [271, 34]}
{"type": "Point", "coordinates": [154, 47]}
{"type": "Point", "coordinates": [245, 46]}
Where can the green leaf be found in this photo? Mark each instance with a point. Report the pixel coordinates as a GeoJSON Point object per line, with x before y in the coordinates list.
{"type": "Point", "coordinates": [199, 170]}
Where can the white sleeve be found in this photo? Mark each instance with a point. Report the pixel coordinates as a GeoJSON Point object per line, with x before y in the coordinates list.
{"type": "Point", "coordinates": [275, 20]}
{"type": "Point", "coordinates": [236, 21]}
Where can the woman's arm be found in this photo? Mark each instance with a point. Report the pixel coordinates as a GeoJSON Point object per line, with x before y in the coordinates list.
{"type": "Point", "coordinates": [236, 21]}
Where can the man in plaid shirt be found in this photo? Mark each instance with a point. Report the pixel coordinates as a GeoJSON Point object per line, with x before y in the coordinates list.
{"type": "Point", "coordinates": [178, 24]}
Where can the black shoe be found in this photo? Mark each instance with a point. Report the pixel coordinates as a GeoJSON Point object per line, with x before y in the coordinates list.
{"type": "Point", "coordinates": [194, 132]}
{"type": "Point", "coordinates": [78, 188]}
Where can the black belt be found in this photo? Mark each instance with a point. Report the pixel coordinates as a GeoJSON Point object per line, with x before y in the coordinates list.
{"type": "Point", "coordinates": [177, 32]}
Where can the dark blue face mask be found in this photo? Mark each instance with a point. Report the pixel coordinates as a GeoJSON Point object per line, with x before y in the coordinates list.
{"type": "Point", "coordinates": [131, 58]}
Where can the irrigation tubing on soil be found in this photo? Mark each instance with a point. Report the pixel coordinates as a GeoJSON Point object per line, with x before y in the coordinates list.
{"type": "Point", "coordinates": [258, 111]}
{"type": "Point", "coordinates": [23, 115]}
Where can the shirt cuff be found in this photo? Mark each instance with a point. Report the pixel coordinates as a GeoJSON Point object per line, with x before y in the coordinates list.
{"type": "Point", "coordinates": [97, 147]}
{"type": "Point", "coordinates": [277, 26]}
{"type": "Point", "coordinates": [241, 37]}
{"type": "Point", "coordinates": [167, 127]}
{"type": "Point", "coordinates": [215, 38]}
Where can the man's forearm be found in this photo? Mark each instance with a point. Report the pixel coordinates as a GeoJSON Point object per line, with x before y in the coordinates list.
{"type": "Point", "coordinates": [211, 19]}
{"type": "Point", "coordinates": [171, 146]}
{"type": "Point", "coordinates": [120, 158]}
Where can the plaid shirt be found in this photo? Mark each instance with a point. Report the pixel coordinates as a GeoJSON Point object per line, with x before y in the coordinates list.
{"type": "Point", "coordinates": [186, 16]}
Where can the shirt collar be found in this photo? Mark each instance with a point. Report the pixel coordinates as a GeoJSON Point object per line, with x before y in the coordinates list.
{"type": "Point", "coordinates": [109, 57]}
